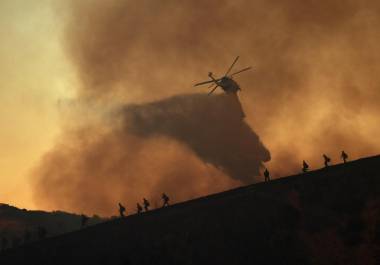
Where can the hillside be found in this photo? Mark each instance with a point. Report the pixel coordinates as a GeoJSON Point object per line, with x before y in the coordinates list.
{"type": "Point", "coordinates": [18, 226]}
{"type": "Point", "coordinates": [328, 216]}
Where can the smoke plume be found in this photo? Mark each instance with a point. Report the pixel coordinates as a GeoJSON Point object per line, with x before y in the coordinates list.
{"type": "Point", "coordinates": [212, 127]}
{"type": "Point", "coordinates": [314, 89]}
{"type": "Point", "coordinates": [174, 145]}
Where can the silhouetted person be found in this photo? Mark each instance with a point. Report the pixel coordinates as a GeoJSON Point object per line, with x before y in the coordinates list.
{"type": "Point", "coordinates": [344, 156]}
{"type": "Point", "coordinates": [139, 208]}
{"type": "Point", "coordinates": [84, 220]}
{"type": "Point", "coordinates": [305, 167]}
{"type": "Point", "coordinates": [146, 204]}
{"type": "Point", "coordinates": [327, 160]}
{"type": "Point", "coordinates": [121, 210]}
{"type": "Point", "coordinates": [266, 175]}
{"type": "Point", "coordinates": [165, 200]}
{"type": "Point", "coordinates": [42, 232]}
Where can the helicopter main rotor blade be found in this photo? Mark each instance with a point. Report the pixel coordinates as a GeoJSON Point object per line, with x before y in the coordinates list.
{"type": "Point", "coordinates": [242, 70]}
{"type": "Point", "coordinates": [205, 82]}
{"type": "Point", "coordinates": [216, 80]}
{"type": "Point", "coordinates": [209, 93]}
{"type": "Point", "coordinates": [232, 65]}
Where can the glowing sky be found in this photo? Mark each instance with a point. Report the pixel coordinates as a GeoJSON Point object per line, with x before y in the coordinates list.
{"type": "Point", "coordinates": [314, 87]}
{"type": "Point", "coordinates": [34, 76]}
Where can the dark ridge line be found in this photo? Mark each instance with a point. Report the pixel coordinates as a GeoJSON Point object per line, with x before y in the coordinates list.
{"type": "Point", "coordinates": [181, 205]}
{"type": "Point", "coordinates": [280, 180]}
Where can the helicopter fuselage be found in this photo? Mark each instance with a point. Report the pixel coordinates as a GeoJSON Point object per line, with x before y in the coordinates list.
{"type": "Point", "coordinates": [228, 85]}
{"type": "Point", "coordinates": [226, 82]}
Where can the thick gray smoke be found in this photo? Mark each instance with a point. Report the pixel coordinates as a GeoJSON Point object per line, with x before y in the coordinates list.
{"type": "Point", "coordinates": [314, 81]}
{"type": "Point", "coordinates": [314, 90]}
{"type": "Point", "coordinates": [186, 146]}
{"type": "Point", "coordinates": [212, 126]}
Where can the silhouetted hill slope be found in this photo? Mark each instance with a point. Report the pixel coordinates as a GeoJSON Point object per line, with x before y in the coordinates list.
{"type": "Point", "coordinates": [328, 216]}
{"type": "Point", "coordinates": [20, 225]}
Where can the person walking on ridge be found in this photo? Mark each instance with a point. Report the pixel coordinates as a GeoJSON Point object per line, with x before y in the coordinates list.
{"type": "Point", "coordinates": [305, 167]}
{"type": "Point", "coordinates": [146, 204]}
{"type": "Point", "coordinates": [121, 210]}
{"type": "Point", "coordinates": [344, 157]}
{"type": "Point", "coordinates": [266, 175]}
{"type": "Point", "coordinates": [165, 199]}
{"type": "Point", "coordinates": [327, 160]}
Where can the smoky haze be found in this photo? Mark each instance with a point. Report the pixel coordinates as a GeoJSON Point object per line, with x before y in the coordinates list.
{"type": "Point", "coordinates": [212, 126]}
{"type": "Point", "coordinates": [314, 88]}
{"type": "Point", "coordinates": [186, 146]}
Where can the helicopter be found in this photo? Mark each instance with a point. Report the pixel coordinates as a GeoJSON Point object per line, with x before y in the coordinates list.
{"type": "Point", "coordinates": [225, 82]}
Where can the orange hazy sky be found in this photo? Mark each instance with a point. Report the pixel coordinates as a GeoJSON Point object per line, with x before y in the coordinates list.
{"type": "Point", "coordinates": [325, 100]}
{"type": "Point", "coordinates": [34, 76]}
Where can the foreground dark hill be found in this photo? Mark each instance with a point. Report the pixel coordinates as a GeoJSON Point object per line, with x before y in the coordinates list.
{"type": "Point", "coordinates": [18, 226]}
{"type": "Point", "coordinates": [328, 216]}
